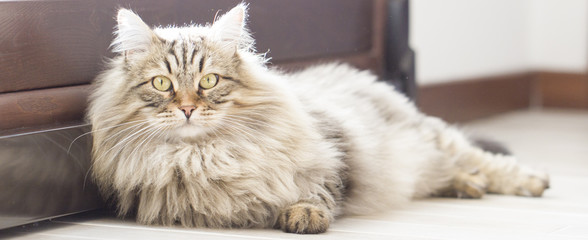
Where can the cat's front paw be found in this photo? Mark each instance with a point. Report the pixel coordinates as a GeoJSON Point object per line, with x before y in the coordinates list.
{"type": "Point", "coordinates": [303, 218]}
{"type": "Point", "coordinates": [532, 183]}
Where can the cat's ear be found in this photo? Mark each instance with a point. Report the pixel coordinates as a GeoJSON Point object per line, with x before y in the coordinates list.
{"type": "Point", "coordinates": [132, 34]}
{"type": "Point", "coordinates": [231, 29]}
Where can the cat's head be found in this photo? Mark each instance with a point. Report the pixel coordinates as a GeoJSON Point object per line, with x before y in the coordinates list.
{"type": "Point", "coordinates": [186, 81]}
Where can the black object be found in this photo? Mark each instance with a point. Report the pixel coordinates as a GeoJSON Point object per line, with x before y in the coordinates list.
{"type": "Point", "coordinates": [399, 57]}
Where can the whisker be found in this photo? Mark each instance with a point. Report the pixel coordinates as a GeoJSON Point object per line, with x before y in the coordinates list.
{"type": "Point", "coordinates": [147, 139]}
{"type": "Point", "coordinates": [97, 130]}
{"type": "Point", "coordinates": [132, 127]}
{"type": "Point", "coordinates": [86, 176]}
{"type": "Point", "coordinates": [253, 121]}
{"type": "Point", "coordinates": [224, 139]}
{"type": "Point", "coordinates": [124, 140]}
{"type": "Point", "coordinates": [136, 124]}
{"type": "Point", "coordinates": [252, 138]}
{"type": "Point", "coordinates": [244, 131]}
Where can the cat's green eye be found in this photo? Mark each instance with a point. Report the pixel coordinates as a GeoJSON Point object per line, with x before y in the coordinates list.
{"type": "Point", "coordinates": [209, 81]}
{"type": "Point", "coordinates": [161, 83]}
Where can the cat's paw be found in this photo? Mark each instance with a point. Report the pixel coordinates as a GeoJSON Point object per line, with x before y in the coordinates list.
{"type": "Point", "coordinates": [475, 187]}
{"type": "Point", "coordinates": [471, 184]}
{"type": "Point", "coordinates": [532, 183]}
{"type": "Point", "coordinates": [303, 218]}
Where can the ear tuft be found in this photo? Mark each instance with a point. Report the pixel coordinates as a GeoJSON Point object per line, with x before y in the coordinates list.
{"type": "Point", "coordinates": [132, 34]}
{"type": "Point", "coordinates": [230, 28]}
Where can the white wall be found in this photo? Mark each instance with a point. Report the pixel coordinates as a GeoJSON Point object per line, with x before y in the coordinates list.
{"type": "Point", "coordinates": [558, 35]}
{"type": "Point", "coordinates": [464, 39]}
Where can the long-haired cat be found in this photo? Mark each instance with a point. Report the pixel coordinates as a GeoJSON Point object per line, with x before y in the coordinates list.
{"type": "Point", "coordinates": [190, 127]}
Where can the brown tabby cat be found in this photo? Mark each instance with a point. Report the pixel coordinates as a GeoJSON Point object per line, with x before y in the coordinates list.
{"type": "Point", "coordinates": [190, 127]}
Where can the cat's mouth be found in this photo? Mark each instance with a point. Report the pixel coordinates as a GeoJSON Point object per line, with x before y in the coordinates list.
{"type": "Point", "coordinates": [190, 130]}
{"type": "Point", "coordinates": [192, 127]}
{"type": "Point", "coordinates": [188, 124]}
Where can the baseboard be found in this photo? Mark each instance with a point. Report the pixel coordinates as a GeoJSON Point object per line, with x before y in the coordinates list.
{"type": "Point", "coordinates": [471, 99]}
{"type": "Point", "coordinates": [562, 90]}
{"type": "Point", "coordinates": [476, 98]}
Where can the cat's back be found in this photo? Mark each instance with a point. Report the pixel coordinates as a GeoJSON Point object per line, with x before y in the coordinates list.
{"type": "Point", "coordinates": [355, 93]}
{"type": "Point", "coordinates": [330, 78]}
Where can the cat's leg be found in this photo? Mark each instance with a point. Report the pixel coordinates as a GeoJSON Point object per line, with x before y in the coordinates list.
{"type": "Point", "coordinates": [476, 171]}
{"type": "Point", "coordinates": [504, 174]}
{"type": "Point", "coordinates": [312, 215]}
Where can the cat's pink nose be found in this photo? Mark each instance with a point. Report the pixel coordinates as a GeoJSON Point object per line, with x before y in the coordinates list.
{"type": "Point", "coordinates": [187, 109]}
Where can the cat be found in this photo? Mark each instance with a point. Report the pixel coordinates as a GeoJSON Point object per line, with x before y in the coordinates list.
{"type": "Point", "coordinates": [190, 127]}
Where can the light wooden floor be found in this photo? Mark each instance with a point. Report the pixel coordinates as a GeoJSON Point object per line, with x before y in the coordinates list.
{"type": "Point", "coordinates": [554, 140]}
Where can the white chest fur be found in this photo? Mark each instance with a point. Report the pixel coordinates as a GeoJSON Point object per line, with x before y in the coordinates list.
{"type": "Point", "coordinates": [214, 184]}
